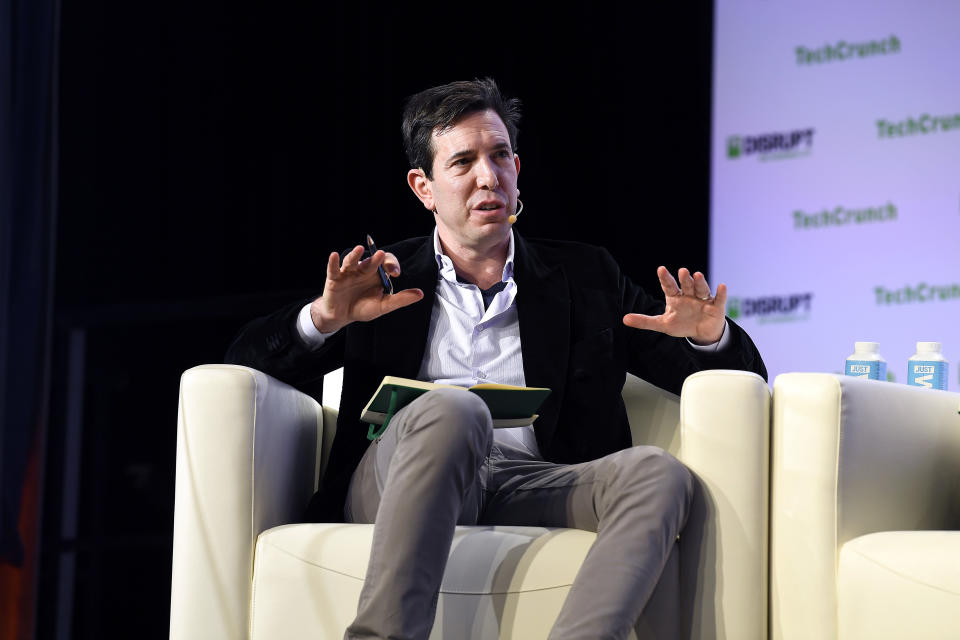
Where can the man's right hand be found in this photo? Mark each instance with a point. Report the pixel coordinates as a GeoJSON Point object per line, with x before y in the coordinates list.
{"type": "Point", "coordinates": [353, 291]}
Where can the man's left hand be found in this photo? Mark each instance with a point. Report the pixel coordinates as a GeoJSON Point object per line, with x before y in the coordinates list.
{"type": "Point", "coordinates": [691, 311]}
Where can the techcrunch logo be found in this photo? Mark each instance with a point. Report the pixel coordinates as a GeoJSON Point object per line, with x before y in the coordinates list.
{"type": "Point", "coordinates": [844, 50]}
{"type": "Point", "coordinates": [923, 292]}
{"type": "Point", "coordinates": [785, 308]}
{"type": "Point", "coordinates": [771, 146]}
{"type": "Point", "coordinates": [924, 124]}
{"type": "Point", "coordinates": [841, 216]}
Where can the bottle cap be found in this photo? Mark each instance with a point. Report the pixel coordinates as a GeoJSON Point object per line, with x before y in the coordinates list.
{"type": "Point", "coordinates": [929, 347]}
{"type": "Point", "coordinates": [869, 347]}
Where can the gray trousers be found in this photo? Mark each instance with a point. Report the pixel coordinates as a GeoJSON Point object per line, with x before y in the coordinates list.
{"type": "Point", "coordinates": [437, 466]}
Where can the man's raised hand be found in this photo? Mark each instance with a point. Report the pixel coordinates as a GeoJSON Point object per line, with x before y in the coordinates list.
{"type": "Point", "coordinates": [691, 311]}
{"type": "Point", "coordinates": [353, 291]}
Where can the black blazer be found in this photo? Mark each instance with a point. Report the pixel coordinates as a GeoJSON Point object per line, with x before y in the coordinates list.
{"type": "Point", "coordinates": [571, 300]}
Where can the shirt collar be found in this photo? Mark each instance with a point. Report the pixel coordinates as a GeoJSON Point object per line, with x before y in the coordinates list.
{"type": "Point", "coordinates": [448, 273]}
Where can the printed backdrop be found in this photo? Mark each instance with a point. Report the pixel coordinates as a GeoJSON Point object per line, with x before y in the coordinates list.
{"type": "Point", "coordinates": [835, 180]}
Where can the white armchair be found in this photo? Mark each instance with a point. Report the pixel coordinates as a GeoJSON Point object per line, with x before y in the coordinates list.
{"type": "Point", "coordinates": [865, 492]}
{"type": "Point", "coordinates": [249, 450]}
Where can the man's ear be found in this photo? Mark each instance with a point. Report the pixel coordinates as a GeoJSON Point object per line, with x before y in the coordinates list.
{"type": "Point", "coordinates": [422, 187]}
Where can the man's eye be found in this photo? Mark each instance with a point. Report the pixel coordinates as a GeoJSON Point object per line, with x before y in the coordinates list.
{"type": "Point", "coordinates": [461, 162]}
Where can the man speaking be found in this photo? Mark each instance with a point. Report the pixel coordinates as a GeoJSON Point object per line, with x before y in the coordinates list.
{"type": "Point", "coordinates": [475, 302]}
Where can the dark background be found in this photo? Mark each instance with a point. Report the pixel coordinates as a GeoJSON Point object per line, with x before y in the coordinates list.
{"type": "Point", "coordinates": [211, 154]}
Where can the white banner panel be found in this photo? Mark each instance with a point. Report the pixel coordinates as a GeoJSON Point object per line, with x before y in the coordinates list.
{"type": "Point", "coordinates": [835, 179]}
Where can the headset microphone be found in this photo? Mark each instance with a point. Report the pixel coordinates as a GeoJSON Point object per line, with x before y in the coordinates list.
{"type": "Point", "coordinates": [513, 216]}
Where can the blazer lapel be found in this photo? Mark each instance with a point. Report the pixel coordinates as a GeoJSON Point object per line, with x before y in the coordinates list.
{"type": "Point", "coordinates": [543, 307]}
{"type": "Point", "coordinates": [401, 337]}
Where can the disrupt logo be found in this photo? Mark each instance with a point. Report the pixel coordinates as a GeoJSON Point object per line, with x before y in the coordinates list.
{"type": "Point", "coordinates": [785, 308]}
{"type": "Point", "coordinates": [922, 292]}
{"type": "Point", "coordinates": [842, 216]}
{"type": "Point", "coordinates": [844, 50]}
{"type": "Point", "coordinates": [923, 124]}
{"type": "Point", "coordinates": [771, 146]}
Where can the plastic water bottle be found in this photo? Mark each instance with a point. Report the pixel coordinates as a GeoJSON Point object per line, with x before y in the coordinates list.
{"type": "Point", "coordinates": [866, 362]}
{"type": "Point", "coordinates": [927, 367]}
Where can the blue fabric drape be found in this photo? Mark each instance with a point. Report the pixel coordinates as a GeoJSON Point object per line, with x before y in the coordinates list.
{"type": "Point", "coordinates": [28, 144]}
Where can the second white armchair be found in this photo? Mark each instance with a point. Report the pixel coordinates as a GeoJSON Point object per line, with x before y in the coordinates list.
{"type": "Point", "coordinates": [865, 517]}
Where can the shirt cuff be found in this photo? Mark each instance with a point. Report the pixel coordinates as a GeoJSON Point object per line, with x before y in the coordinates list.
{"type": "Point", "coordinates": [311, 336]}
{"type": "Point", "coordinates": [719, 345]}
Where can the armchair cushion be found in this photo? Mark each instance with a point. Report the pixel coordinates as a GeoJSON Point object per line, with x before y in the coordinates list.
{"type": "Point", "coordinates": [500, 582]}
{"type": "Point", "coordinates": [900, 584]}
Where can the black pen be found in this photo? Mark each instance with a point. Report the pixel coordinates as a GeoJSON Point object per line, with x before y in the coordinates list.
{"type": "Point", "coordinates": [384, 280]}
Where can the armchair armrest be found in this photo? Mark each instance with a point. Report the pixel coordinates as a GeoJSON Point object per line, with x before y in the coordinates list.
{"type": "Point", "coordinates": [725, 422]}
{"type": "Point", "coordinates": [247, 460]}
{"type": "Point", "coordinates": [654, 414]}
{"type": "Point", "coordinates": [850, 457]}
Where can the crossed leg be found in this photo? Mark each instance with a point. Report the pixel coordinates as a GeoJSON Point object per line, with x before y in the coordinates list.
{"type": "Point", "coordinates": [417, 482]}
{"type": "Point", "coordinates": [636, 500]}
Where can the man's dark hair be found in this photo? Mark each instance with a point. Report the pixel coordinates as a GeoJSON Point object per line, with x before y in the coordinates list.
{"type": "Point", "coordinates": [439, 108]}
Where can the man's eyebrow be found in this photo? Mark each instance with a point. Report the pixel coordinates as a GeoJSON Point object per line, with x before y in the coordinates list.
{"type": "Point", "coordinates": [469, 152]}
{"type": "Point", "coordinates": [461, 154]}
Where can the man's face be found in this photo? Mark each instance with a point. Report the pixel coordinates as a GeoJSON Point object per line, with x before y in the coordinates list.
{"type": "Point", "coordinates": [474, 186]}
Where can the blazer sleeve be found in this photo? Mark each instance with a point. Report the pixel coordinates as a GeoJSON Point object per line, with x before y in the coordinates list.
{"type": "Point", "coordinates": [272, 344]}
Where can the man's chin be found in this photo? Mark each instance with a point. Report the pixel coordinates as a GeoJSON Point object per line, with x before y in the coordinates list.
{"type": "Point", "coordinates": [494, 228]}
{"type": "Point", "coordinates": [492, 232]}
{"type": "Point", "coordinates": [480, 234]}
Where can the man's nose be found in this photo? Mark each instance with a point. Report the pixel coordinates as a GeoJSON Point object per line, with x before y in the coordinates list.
{"type": "Point", "coordinates": [487, 175]}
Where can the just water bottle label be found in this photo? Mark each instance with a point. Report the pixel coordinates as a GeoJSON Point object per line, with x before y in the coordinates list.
{"type": "Point", "coordinates": [873, 369]}
{"type": "Point", "coordinates": [931, 374]}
